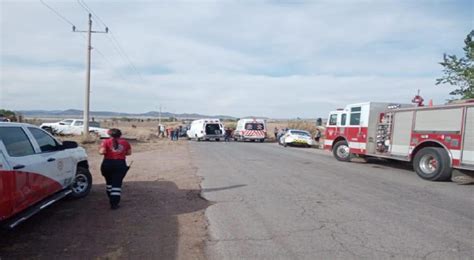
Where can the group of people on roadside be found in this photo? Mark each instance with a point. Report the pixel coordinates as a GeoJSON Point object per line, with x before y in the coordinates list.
{"type": "Point", "coordinates": [170, 132]}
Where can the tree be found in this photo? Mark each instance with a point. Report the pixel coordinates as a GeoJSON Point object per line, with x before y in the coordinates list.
{"type": "Point", "coordinates": [459, 72]}
{"type": "Point", "coordinates": [8, 114]}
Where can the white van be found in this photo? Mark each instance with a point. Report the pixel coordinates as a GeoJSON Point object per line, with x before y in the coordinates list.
{"type": "Point", "coordinates": [250, 129]}
{"type": "Point", "coordinates": [206, 129]}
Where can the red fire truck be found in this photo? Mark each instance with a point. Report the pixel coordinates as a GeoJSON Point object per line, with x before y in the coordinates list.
{"type": "Point", "coordinates": [436, 139]}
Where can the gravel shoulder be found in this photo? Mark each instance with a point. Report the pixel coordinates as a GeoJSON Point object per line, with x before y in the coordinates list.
{"type": "Point", "coordinates": [162, 214]}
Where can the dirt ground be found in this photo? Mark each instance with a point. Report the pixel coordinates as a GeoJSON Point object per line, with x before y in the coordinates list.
{"type": "Point", "coordinates": [162, 213]}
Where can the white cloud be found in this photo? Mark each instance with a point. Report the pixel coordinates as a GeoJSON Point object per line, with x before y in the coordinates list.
{"type": "Point", "coordinates": [236, 58]}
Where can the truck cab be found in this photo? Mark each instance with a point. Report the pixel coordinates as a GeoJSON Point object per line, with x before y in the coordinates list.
{"type": "Point", "coordinates": [352, 130]}
{"type": "Point", "coordinates": [36, 170]}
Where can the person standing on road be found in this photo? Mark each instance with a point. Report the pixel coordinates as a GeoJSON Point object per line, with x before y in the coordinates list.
{"type": "Point", "coordinates": [228, 134]}
{"type": "Point", "coordinates": [114, 167]}
{"type": "Point", "coordinates": [176, 133]}
{"type": "Point", "coordinates": [275, 132]}
{"type": "Point", "coordinates": [317, 137]}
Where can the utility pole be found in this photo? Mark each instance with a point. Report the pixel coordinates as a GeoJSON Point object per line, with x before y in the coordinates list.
{"type": "Point", "coordinates": [88, 73]}
{"type": "Point", "coordinates": [159, 117]}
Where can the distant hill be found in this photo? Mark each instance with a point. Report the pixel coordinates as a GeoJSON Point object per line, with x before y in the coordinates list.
{"type": "Point", "coordinates": [75, 113]}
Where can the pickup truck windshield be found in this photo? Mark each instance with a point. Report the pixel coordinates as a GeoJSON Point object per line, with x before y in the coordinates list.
{"type": "Point", "coordinates": [67, 122]}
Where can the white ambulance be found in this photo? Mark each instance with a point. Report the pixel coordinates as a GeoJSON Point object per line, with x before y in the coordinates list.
{"type": "Point", "coordinates": [251, 129]}
{"type": "Point", "coordinates": [206, 129]}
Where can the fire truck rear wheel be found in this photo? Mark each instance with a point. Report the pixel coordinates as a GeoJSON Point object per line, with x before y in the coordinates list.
{"type": "Point", "coordinates": [432, 163]}
{"type": "Point", "coordinates": [341, 151]}
{"type": "Point", "coordinates": [82, 183]}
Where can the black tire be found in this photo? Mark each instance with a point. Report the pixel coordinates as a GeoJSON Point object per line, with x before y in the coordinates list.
{"type": "Point", "coordinates": [341, 151]}
{"type": "Point", "coordinates": [262, 140]}
{"type": "Point", "coordinates": [82, 183]}
{"type": "Point", "coordinates": [433, 164]}
{"type": "Point", "coordinates": [235, 139]}
{"type": "Point", "coordinates": [285, 144]}
{"type": "Point", "coordinates": [217, 140]}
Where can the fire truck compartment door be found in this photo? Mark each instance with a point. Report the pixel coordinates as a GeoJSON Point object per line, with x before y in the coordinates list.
{"type": "Point", "coordinates": [402, 123]}
{"type": "Point", "coordinates": [439, 120]}
{"type": "Point", "coordinates": [468, 146]}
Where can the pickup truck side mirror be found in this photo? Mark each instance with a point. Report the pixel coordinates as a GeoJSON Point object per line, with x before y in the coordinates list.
{"type": "Point", "coordinates": [69, 145]}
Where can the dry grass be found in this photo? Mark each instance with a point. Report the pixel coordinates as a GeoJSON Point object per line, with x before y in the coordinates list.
{"type": "Point", "coordinates": [305, 125]}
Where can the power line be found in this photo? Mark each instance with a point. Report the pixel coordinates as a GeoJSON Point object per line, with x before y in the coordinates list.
{"type": "Point", "coordinates": [83, 7]}
{"type": "Point", "coordinates": [118, 47]}
{"type": "Point", "coordinates": [88, 9]}
{"type": "Point", "coordinates": [57, 13]}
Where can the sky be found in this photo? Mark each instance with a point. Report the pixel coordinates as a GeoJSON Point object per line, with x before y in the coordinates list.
{"type": "Point", "coordinates": [278, 59]}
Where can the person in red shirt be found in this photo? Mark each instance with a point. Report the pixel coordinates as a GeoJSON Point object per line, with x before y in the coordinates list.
{"type": "Point", "coordinates": [114, 167]}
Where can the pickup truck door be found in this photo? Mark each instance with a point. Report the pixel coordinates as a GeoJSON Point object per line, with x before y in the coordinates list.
{"type": "Point", "coordinates": [76, 128]}
{"type": "Point", "coordinates": [57, 163]}
{"type": "Point", "coordinates": [22, 163]}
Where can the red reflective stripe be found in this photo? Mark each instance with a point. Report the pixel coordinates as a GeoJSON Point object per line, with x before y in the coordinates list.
{"type": "Point", "coordinates": [257, 133]}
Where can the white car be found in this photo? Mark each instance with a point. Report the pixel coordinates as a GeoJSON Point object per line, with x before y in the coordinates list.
{"type": "Point", "coordinates": [297, 138]}
{"type": "Point", "coordinates": [74, 127]}
{"type": "Point", "coordinates": [37, 170]}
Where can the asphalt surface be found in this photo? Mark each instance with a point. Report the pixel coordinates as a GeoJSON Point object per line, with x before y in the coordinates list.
{"type": "Point", "coordinates": [272, 202]}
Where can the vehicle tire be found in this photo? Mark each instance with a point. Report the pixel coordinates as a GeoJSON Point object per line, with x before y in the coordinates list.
{"type": "Point", "coordinates": [198, 139]}
{"type": "Point", "coordinates": [217, 140]}
{"type": "Point", "coordinates": [235, 139]}
{"type": "Point", "coordinates": [262, 140]}
{"type": "Point", "coordinates": [433, 164]}
{"type": "Point", "coordinates": [82, 183]}
{"type": "Point", "coordinates": [341, 151]}
{"type": "Point", "coordinates": [285, 144]}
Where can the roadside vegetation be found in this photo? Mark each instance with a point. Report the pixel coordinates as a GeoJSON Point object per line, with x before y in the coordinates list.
{"type": "Point", "coordinates": [459, 72]}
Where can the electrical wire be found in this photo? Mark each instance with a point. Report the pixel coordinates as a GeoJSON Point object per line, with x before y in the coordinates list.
{"type": "Point", "coordinates": [57, 13]}
{"type": "Point", "coordinates": [118, 47]}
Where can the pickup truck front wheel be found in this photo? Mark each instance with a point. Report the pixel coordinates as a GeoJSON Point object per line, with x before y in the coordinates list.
{"type": "Point", "coordinates": [82, 183]}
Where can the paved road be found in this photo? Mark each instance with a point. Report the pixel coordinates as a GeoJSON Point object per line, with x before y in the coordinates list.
{"type": "Point", "coordinates": [288, 203]}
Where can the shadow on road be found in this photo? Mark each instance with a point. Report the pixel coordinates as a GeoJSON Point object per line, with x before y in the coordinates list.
{"type": "Point", "coordinates": [146, 226]}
